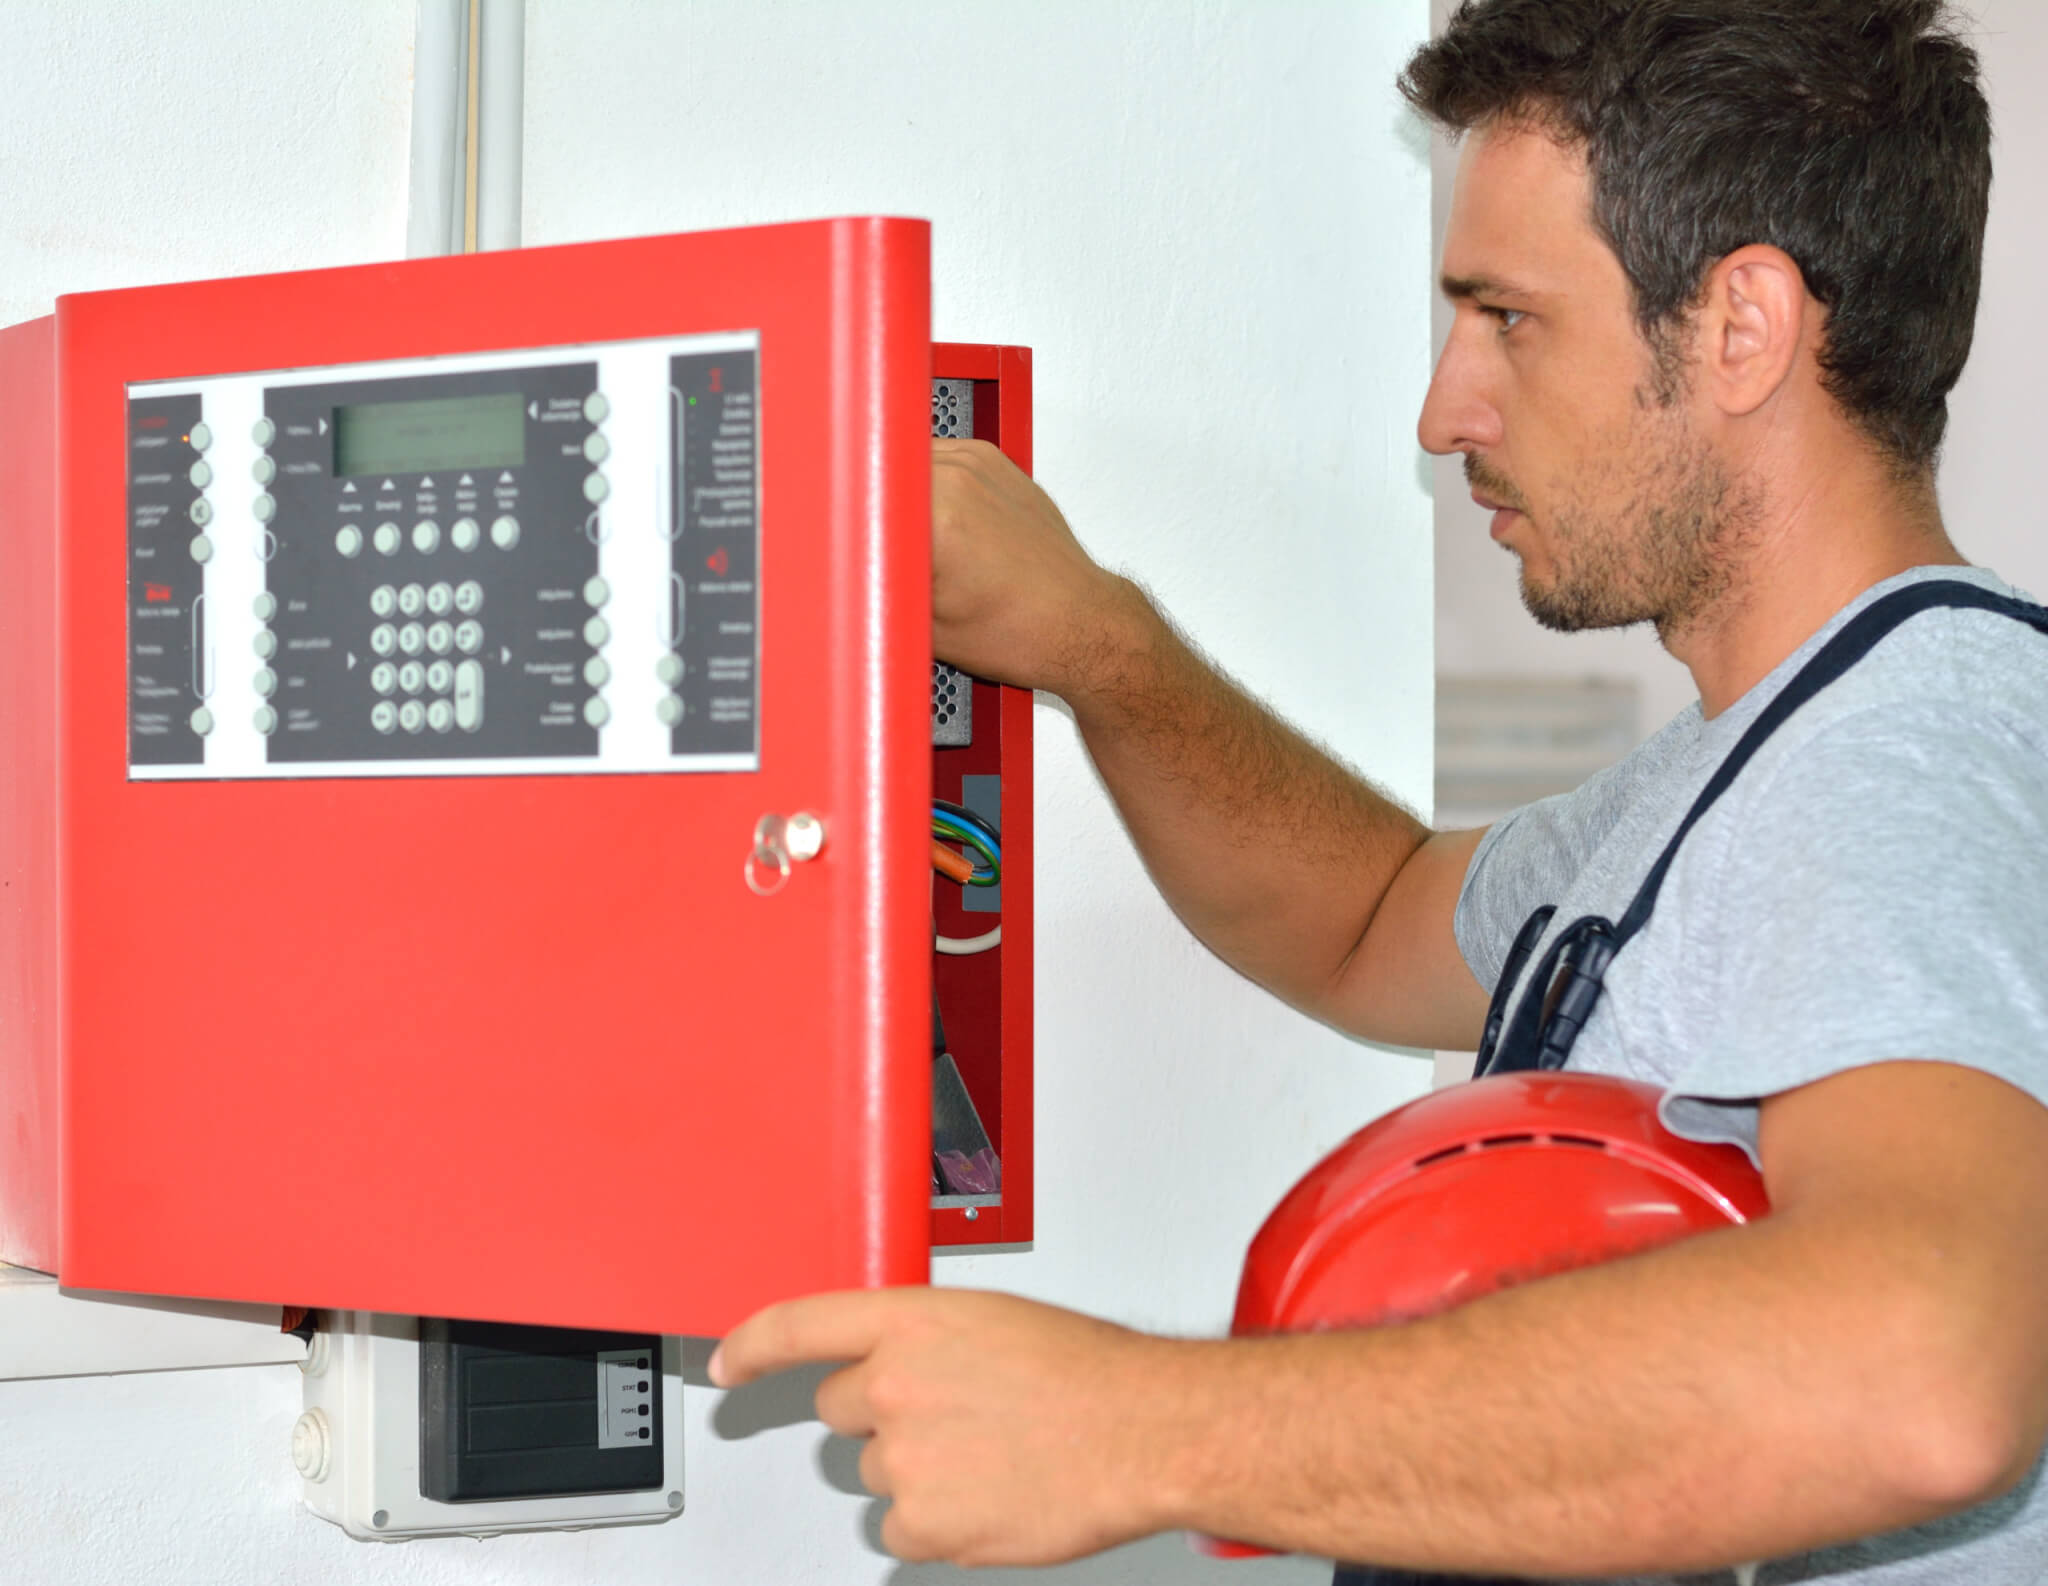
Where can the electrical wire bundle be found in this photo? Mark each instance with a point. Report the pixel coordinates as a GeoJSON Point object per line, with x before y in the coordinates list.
{"type": "Point", "coordinates": [981, 865]}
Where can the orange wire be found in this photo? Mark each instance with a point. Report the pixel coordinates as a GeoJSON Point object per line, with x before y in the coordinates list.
{"type": "Point", "coordinates": [955, 867]}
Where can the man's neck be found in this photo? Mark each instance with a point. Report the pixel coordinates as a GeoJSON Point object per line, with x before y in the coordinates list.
{"type": "Point", "coordinates": [1813, 555]}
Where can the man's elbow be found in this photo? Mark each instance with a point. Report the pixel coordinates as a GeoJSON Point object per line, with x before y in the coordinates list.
{"type": "Point", "coordinates": [1967, 1440]}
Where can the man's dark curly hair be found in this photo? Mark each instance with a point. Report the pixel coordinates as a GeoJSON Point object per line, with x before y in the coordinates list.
{"type": "Point", "coordinates": [1853, 134]}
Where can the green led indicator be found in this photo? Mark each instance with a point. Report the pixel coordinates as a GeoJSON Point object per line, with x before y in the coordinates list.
{"type": "Point", "coordinates": [693, 401]}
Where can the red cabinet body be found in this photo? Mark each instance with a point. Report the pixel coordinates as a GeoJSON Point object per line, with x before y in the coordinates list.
{"type": "Point", "coordinates": [325, 1019]}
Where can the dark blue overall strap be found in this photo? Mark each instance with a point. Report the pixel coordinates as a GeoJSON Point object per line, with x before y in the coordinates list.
{"type": "Point", "coordinates": [1560, 996]}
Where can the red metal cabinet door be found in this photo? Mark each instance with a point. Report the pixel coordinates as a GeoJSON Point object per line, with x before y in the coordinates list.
{"type": "Point", "coordinates": [524, 1047]}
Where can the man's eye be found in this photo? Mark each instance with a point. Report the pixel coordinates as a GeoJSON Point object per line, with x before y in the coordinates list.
{"type": "Point", "coordinates": [1507, 318]}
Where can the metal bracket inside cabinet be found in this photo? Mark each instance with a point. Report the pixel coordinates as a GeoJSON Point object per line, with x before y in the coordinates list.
{"type": "Point", "coordinates": [357, 1445]}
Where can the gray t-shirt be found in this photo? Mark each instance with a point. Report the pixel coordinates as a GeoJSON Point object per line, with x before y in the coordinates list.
{"type": "Point", "coordinates": [1873, 886]}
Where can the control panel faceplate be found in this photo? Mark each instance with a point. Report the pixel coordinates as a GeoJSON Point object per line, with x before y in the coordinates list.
{"type": "Point", "coordinates": [542, 561]}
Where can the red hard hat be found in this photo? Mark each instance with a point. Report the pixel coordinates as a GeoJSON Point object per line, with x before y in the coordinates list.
{"type": "Point", "coordinates": [1475, 1188]}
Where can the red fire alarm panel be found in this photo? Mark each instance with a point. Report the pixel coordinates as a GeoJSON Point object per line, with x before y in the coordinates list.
{"type": "Point", "coordinates": [468, 729]}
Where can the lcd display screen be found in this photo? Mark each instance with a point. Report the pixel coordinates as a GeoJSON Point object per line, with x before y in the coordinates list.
{"type": "Point", "coordinates": [421, 437]}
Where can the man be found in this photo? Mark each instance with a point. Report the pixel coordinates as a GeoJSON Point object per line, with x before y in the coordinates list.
{"type": "Point", "coordinates": [1715, 266]}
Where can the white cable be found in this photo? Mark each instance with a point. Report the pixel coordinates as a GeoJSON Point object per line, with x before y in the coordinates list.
{"type": "Point", "coordinates": [962, 946]}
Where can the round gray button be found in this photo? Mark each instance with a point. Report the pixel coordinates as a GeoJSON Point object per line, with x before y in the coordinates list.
{"type": "Point", "coordinates": [441, 676]}
{"type": "Point", "coordinates": [266, 720]}
{"type": "Point", "coordinates": [200, 436]}
{"type": "Point", "coordinates": [469, 637]}
{"type": "Point", "coordinates": [412, 638]}
{"type": "Point", "coordinates": [266, 682]}
{"type": "Point", "coordinates": [596, 448]}
{"type": "Point", "coordinates": [263, 470]}
{"type": "Point", "coordinates": [596, 632]}
{"type": "Point", "coordinates": [384, 638]}
{"type": "Point", "coordinates": [669, 669]}
{"type": "Point", "coordinates": [597, 671]}
{"type": "Point", "coordinates": [383, 600]}
{"type": "Point", "coordinates": [384, 715]}
{"type": "Point", "coordinates": [348, 540]}
{"type": "Point", "coordinates": [387, 539]}
{"type": "Point", "coordinates": [263, 432]}
{"type": "Point", "coordinates": [263, 508]}
{"type": "Point", "coordinates": [596, 408]}
{"type": "Point", "coordinates": [596, 711]}
{"type": "Point", "coordinates": [412, 715]}
{"type": "Point", "coordinates": [596, 487]}
{"type": "Point", "coordinates": [264, 605]}
{"type": "Point", "coordinates": [201, 511]}
{"type": "Point", "coordinates": [264, 644]}
{"type": "Point", "coordinates": [441, 599]}
{"type": "Point", "coordinates": [469, 598]}
{"type": "Point", "coordinates": [465, 534]}
{"type": "Point", "coordinates": [597, 592]}
{"type": "Point", "coordinates": [505, 533]}
{"type": "Point", "coordinates": [383, 677]}
{"type": "Point", "coordinates": [201, 549]}
{"type": "Point", "coordinates": [426, 538]}
{"type": "Point", "coordinates": [440, 638]}
{"type": "Point", "coordinates": [412, 677]}
{"type": "Point", "coordinates": [669, 709]}
{"type": "Point", "coordinates": [412, 600]}
{"type": "Point", "coordinates": [202, 721]}
{"type": "Point", "coordinates": [440, 715]}
{"type": "Point", "coordinates": [201, 474]}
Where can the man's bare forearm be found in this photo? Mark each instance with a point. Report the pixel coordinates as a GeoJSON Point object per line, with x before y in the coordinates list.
{"type": "Point", "coordinates": [1277, 856]}
{"type": "Point", "coordinates": [1273, 852]}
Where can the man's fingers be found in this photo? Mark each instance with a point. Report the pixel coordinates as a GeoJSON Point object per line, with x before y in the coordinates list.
{"type": "Point", "coordinates": [842, 1402]}
{"type": "Point", "coordinates": [819, 1327]}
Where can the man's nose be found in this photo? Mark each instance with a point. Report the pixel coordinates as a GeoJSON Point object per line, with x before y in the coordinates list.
{"type": "Point", "coordinates": [1457, 413]}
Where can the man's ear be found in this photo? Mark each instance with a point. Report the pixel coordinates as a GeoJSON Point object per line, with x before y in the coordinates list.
{"type": "Point", "coordinates": [1751, 327]}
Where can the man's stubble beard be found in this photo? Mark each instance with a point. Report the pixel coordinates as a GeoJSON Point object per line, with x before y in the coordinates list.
{"type": "Point", "coordinates": [1667, 556]}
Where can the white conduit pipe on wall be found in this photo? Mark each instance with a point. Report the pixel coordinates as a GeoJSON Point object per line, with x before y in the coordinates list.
{"type": "Point", "coordinates": [468, 102]}
{"type": "Point", "coordinates": [501, 120]}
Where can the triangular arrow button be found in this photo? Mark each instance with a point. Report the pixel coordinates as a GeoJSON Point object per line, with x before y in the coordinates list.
{"type": "Point", "coordinates": [387, 485]}
{"type": "Point", "coordinates": [323, 426]}
{"type": "Point", "coordinates": [506, 477]}
{"type": "Point", "coordinates": [465, 480]}
{"type": "Point", "coordinates": [351, 660]}
{"type": "Point", "coordinates": [533, 410]}
{"type": "Point", "coordinates": [349, 489]}
{"type": "Point", "coordinates": [505, 655]}
{"type": "Point", "coordinates": [426, 484]}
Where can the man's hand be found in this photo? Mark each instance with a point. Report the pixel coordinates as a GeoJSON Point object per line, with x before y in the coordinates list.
{"type": "Point", "coordinates": [1005, 1431]}
{"type": "Point", "coordinates": [1014, 597]}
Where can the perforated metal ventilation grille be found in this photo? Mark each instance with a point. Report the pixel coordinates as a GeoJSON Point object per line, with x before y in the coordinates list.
{"type": "Point", "coordinates": [952, 694]}
{"type": "Point", "coordinates": [953, 408]}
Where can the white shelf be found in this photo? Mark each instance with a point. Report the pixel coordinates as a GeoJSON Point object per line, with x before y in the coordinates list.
{"type": "Point", "coordinates": [47, 1330]}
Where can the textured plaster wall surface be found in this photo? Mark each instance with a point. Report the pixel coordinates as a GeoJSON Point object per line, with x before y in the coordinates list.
{"type": "Point", "coordinates": [1210, 220]}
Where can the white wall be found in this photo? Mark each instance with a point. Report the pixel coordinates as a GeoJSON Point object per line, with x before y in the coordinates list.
{"type": "Point", "coordinates": [1990, 494]}
{"type": "Point", "coordinates": [1210, 220]}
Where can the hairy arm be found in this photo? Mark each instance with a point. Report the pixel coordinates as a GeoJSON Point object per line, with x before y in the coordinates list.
{"type": "Point", "coordinates": [1867, 1357]}
{"type": "Point", "coordinates": [1284, 861]}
